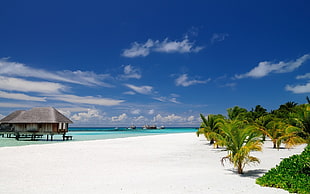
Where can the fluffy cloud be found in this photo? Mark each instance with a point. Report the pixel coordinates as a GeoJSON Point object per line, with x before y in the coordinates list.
{"type": "Point", "coordinates": [191, 119]}
{"type": "Point", "coordinates": [184, 81]}
{"type": "Point", "coordinates": [168, 119]}
{"type": "Point", "coordinates": [266, 67]}
{"type": "Point", "coordinates": [16, 84]}
{"type": "Point", "coordinates": [19, 96]}
{"type": "Point", "coordinates": [91, 114]}
{"type": "Point", "coordinates": [78, 77]}
{"type": "Point", "coordinates": [184, 46]}
{"type": "Point", "coordinates": [299, 89]}
{"type": "Point", "coordinates": [86, 100]}
{"type": "Point", "coordinates": [306, 76]}
{"type": "Point", "coordinates": [131, 72]}
{"type": "Point", "coordinates": [165, 46]}
{"type": "Point", "coordinates": [140, 89]}
{"type": "Point", "coordinates": [135, 111]}
{"type": "Point", "coordinates": [139, 50]}
{"type": "Point", "coordinates": [151, 112]}
{"type": "Point", "coordinates": [119, 118]}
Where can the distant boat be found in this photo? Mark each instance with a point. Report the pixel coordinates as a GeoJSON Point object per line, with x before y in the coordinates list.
{"type": "Point", "coordinates": [132, 127]}
{"type": "Point", "coordinates": [162, 127]}
{"type": "Point", "coordinates": [149, 127]}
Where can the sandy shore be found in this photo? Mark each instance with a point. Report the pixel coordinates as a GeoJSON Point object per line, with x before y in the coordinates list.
{"type": "Point", "coordinates": [173, 163]}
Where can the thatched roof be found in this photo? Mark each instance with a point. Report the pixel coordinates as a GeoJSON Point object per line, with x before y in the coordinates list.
{"type": "Point", "coordinates": [36, 115]}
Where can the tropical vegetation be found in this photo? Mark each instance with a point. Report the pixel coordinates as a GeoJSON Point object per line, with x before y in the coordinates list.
{"type": "Point", "coordinates": [243, 131]}
{"type": "Point", "coordinates": [240, 139]}
{"type": "Point", "coordinates": [292, 174]}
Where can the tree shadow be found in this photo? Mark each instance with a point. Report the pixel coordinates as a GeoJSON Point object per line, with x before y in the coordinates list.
{"type": "Point", "coordinates": [254, 173]}
{"type": "Point", "coordinates": [250, 173]}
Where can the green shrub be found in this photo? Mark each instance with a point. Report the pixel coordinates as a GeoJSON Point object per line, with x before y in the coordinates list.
{"type": "Point", "coordinates": [292, 174]}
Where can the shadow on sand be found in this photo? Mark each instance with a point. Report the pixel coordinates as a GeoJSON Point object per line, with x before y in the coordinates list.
{"type": "Point", "coordinates": [250, 173]}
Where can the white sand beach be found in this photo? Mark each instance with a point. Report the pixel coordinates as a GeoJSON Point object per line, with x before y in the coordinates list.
{"type": "Point", "coordinates": [170, 163]}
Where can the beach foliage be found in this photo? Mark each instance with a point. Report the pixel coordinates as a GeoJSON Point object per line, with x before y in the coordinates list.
{"type": "Point", "coordinates": [292, 174]}
{"type": "Point", "coordinates": [210, 126]}
{"type": "Point", "coordinates": [243, 131]}
{"type": "Point", "coordinates": [240, 139]}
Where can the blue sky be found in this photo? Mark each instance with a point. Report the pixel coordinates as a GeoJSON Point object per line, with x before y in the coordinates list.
{"type": "Point", "coordinates": [152, 62]}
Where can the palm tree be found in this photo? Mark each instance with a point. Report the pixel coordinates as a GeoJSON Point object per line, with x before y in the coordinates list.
{"type": "Point", "coordinates": [291, 137]}
{"type": "Point", "coordinates": [258, 112]}
{"type": "Point", "coordinates": [236, 113]}
{"type": "Point", "coordinates": [285, 109]}
{"type": "Point", "coordinates": [262, 123]}
{"type": "Point", "coordinates": [274, 130]}
{"type": "Point", "coordinates": [301, 119]}
{"type": "Point", "coordinates": [281, 132]}
{"type": "Point", "coordinates": [209, 126]}
{"type": "Point", "coordinates": [240, 139]}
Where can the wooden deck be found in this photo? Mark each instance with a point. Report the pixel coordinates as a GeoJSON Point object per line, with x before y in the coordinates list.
{"type": "Point", "coordinates": [33, 136]}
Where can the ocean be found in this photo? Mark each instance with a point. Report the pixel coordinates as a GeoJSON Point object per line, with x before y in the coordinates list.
{"type": "Point", "coordinates": [96, 133]}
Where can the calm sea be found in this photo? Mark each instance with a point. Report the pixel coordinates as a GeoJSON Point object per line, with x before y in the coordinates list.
{"type": "Point", "coordinates": [91, 133]}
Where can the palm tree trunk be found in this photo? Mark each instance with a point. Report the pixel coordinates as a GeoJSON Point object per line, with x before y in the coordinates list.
{"type": "Point", "coordinates": [240, 169]}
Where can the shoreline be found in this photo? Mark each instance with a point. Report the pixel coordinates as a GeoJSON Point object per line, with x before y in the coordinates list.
{"type": "Point", "coordinates": [168, 163]}
{"type": "Point", "coordinates": [90, 134]}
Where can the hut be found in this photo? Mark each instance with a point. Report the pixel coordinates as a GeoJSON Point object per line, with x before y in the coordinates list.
{"type": "Point", "coordinates": [35, 122]}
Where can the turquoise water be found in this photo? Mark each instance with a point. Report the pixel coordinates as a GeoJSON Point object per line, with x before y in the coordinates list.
{"type": "Point", "coordinates": [84, 134]}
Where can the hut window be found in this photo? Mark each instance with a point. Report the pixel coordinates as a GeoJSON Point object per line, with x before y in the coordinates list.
{"type": "Point", "coordinates": [62, 126]}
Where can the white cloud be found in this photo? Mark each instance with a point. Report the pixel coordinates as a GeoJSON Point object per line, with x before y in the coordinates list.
{"type": "Point", "coordinates": [135, 111]}
{"type": "Point", "coordinates": [129, 93]}
{"type": "Point", "coordinates": [140, 119]}
{"type": "Point", "coordinates": [16, 84]}
{"type": "Point", "coordinates": [140, 89]}
{"type": "Point", "coordinates": [91, 114]}
{"type": "Point", "coordinates": [119, 118]}
{"type": "Point", "coordinates": [131, 72]}
{"type": "Point", "coordinates": [87, 78]}
{"type": "Point", "coordinates": [266, 67]}
{"type": "Point", "coordinates": [78, 77]}
{"type": "Point", "coordinates": [174, 100]}
{"type": "Point", "coordinates": [299, 89]}
{"type": "Point", "coordinates": [13, 105]}
{"type": "Point", "coordinates": [191, 118]}
{"type": "Point", "coordinates": [138, 49]}
{"type": "Point", "coordinates": [165, 46]}
{"type": "Point", "coordinates": [218, 37]}
{"type": "Point", "coordinates": [184, 81]}
{"type": "Point", "coordinates": [184, 46]}
{"type": "Point", "coordinates": [168, 119]}
{"type": "Point", "coordinates": [19, 96]}
{"type": "Point", "coordinates": [87, 100]}
{"type": "Point", "coordinates": [151, 112]}
{"type": "Point", "coordinates": [167, 99]}
{"type": "Point", "coordinates": [306, 76]}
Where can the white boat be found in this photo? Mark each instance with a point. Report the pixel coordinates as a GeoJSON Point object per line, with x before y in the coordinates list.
{"type": "Point", "coordinates": [132, 127]}
{"type": "Point", "coordinates": [149, 127]}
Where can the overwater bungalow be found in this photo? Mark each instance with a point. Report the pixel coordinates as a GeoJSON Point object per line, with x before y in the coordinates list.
{"type": "Point", "coordinates": [35, 123]}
